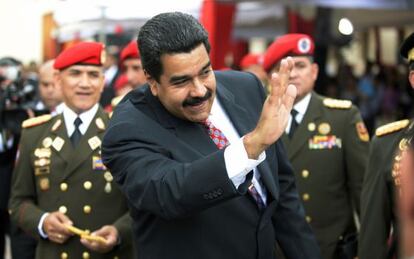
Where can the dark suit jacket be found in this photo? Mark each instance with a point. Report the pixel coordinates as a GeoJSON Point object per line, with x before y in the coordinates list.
{"type": "Point", "coordinates": [61, 184]}
{"type": "Point", "coordinates": [183, 203]}
{"type": "Point", "coordinates": [329, 179]}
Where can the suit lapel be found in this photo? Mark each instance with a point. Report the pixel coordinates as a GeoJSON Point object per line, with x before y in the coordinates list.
{"type": "Point", "coordinates": [84, 149]}
{"type": "Point", "coordinates": [302, 134]}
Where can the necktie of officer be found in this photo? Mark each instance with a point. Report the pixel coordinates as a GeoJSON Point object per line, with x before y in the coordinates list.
{"type": "Point", "coordinates": [76, 135]}
{"type": "Point", "coordinates": [294, 124]}
{"type": "Point", "coordinates": [221, 141]}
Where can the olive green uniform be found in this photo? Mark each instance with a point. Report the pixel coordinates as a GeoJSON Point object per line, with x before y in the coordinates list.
{"type": "Point", "coordinates": [51, 175]}
{"type": "Point", "coordinates": [377, 200]}
{"type": "Point", "coordinates": [328, 152]}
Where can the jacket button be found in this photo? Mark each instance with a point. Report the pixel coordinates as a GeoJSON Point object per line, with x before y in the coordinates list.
{"type": "Point", "coordinates": [63, 209]}
{"type": "Point", "coordinates": [87, 209]}
{"type": "Point", "coordinates": [305, 173]}
{"type": "Point", "coordinates": [63, 187]}
{"type": "Point", "coordinates": [85, 255]}
{"type": "Point", "coordinates": [308, 219]}
{"type": "Point", "coordinates": [306, 196]}
{"type": "Point", "coordinates": [64, 255]}
{"type": "Point", "coordinates": [87, 185]}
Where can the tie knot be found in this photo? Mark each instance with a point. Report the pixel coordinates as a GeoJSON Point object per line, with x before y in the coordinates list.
{"type": "Point", "coordinates": [206, 123]}
{"type": "Point", "coordinates": [77, 122]}
{"type": "Point", "coordinates": [294, 112]}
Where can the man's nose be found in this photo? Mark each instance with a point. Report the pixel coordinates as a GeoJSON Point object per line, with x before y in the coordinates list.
{"type": "Point", "coordinates": [198, 88]}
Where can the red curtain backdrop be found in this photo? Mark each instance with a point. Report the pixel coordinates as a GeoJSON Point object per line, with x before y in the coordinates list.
{"type": "Point", "coordinates": [296, 24]}
{"type": "Point", "coordinates": [217, 18]}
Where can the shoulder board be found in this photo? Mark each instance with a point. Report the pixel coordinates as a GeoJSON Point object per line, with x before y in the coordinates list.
{"type": "Point", "coordinates": [337, 104]}
{"type": "Point", "coordinates": [116, 100]}
{"type": "Point", "coordinates": [391, 127]}
{"type": "Point", "coordinates": [36, 121]}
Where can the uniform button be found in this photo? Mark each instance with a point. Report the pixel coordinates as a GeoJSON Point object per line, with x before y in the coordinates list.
{"type": "Point", "coordinates": [87, 185]}
{"type": "Point", "coordinates": [63, 209]}
{"type": "Point", "coordinates": [87, 209]}
{"type": "Point", "coordinates": [306, 196]}
{"type": "Point", "coordinates": [116, 257]}
{"type": "Point", "coordinates": [63, 187]}
{"type": "Point", "coordinates": [85, 255]}
{"type": "Point", "coordinates": [305, 173]}
{"type": "Point", "coordinates": [308, 219]}
{"type": "Point", "coordinates": [64, 255]}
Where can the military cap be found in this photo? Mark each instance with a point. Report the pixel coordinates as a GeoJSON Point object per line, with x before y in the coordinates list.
{"type": "Point", "coordinates": [130, 51]}
{"type": "Point", "coordinates": [407, 48]}
{"type": "Point", "coordinates": [88, 53]}
{"type": "Point", "coordinates": [251, 59]}
{"type": "Point", "coordinates": [294, 44]}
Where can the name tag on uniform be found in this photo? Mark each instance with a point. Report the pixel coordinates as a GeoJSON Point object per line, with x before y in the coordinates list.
{"type": "Point", "coordinates": [97, 163]}
{"type": "Point", "coordinates": [325, 142]}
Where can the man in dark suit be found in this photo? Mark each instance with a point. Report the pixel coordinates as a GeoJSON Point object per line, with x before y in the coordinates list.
{"type": "Point", "coordinates": [191, 197]}
{"type": "Point", "coordinates": [59, 180]}
{"type": "Point", "coordinates": [327, 144]}
{"type": "Point", "coordinates": [379, 221]}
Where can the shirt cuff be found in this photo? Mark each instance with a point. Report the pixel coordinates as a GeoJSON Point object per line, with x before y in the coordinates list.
{"type": "Point", "coordinates": [238, 164]}
{"type": "Point", "coordinates": [40, 226]}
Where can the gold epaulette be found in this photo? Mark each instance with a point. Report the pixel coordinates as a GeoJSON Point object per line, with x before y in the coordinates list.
{"type": "Point", "coordinates": [337, 104]}
{"type": "Point", "coordinates": [116, 100]}
{"type": "Point", "coordinates": [36, 121]}
{"type": "Point", "coordinates": [391, 127]}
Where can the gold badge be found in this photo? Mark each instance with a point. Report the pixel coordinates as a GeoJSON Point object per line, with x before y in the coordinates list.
{"type": "Point", "coordinates": [44, 184]}
{"type": "Point", "coordinates": [324, 128]}
{"type": "Point", "coordinates": [362, 131]}
{"type": "Point", "coordinates": [42, 152]}
{"type": "Point", "coordinates": [42, 162]}
{"type": "Point", "coordinates": [311, 126]}
{"type": "Point", "coordinates": [100, 124]}
{"type": "Point", "coordinates": [58, 143]}
{"type": "Point", "coordinates": [94, 142]}
{"type": "Point", "coordinates": [47, 142]}
{"type": "Point", "coordinates": [56, 125]}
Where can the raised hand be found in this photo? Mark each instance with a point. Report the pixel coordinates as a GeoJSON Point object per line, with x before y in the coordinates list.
{"type": "Point", "coordinates": [275, 114]}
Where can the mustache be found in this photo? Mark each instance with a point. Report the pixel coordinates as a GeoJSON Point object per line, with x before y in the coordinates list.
{"type": "Point", "coordinates": [197, 100]}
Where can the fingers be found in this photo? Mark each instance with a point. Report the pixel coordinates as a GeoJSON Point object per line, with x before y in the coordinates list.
{"type": "Point", "coordinates": [280, 80]}
{"type": "Point", "coordinates": [107, 233]}
{"type": "Point", "coordinates": [290, 97]}
{"type": "Point", "coordinates": [55, 229]}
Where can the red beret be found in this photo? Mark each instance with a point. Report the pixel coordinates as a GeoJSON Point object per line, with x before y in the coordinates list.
{"type": "Point", "coordinates": [251, 59]}
{"type": "Point", "coordinates": [294, 44]}
{"type": "Point", "coordinates": [121, 82]}
{"type": "Point", "coordinates": [130, 51]}
{"type": "Point", "coordinates": [90, 53]}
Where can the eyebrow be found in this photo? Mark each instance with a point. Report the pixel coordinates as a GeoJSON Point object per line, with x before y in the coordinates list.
{"type": "Point", "coordinates": [183, 77]}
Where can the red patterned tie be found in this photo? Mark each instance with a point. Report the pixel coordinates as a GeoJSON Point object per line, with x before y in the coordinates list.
{"type": "Point", "coordinates": [221, 141]}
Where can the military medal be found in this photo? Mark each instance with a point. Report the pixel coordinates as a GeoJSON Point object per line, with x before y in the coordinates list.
{"type": "Point", "coordinates": [44, 184]}
{"type": "Point", "coordinates": [94, 142]}
{"type": "Point", "coordinates": [58, 143]}
{"type": "Point", "coordinates": [100, 124]}
{"type": "Point", "coordinates": [42, 162]}
{"type": "Point", "coordinates": [311, 126]}
{"type": "Point", "coordinates": [324, 128]}
{"type": "Point", "coordinates": [42, 152]}
{"type": "Point", "coordinates": [108, 177]}
{"type": "Point", "coordinates": [47, 142]}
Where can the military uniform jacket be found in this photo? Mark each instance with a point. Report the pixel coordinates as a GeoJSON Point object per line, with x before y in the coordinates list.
{"type": "Point", "coordinates": [328, 152]}
{"type": "Point", "coordinates": [378, 215]}
{"type": "Point", "coordinates": [51, 175]}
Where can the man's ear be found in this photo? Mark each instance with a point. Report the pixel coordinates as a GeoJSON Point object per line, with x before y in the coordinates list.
{"type": "Point", "coordinates": [153, 84]}
{"type": "Point", "coordinates": [411, 78]}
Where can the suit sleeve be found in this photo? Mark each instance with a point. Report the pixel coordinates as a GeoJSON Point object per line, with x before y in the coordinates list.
{"type": "Point", "coordinates": [123, 225]}
{"type": "Point", "coordinates": [155, 182]}
{"type": "Point", "coordinates": [24, 211]}
{"type": "Point", "coordinates": [376, 207]}
{"type": "Point", "coordinates": [294, 235]}
{"type": "Point", "coordinates": [356, 156]}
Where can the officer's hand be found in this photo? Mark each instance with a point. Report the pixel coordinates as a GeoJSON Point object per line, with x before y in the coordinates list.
{"type": "Point", "coordinates": [275, 113]}
{"type": "Point", "coordinates": [109, 233]}
{"type": "Point", "coordinates": [54, 227]}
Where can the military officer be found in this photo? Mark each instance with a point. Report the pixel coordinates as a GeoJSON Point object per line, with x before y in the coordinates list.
{"type": "Point", "coordinates": [378, 219]}
{"type": "Point", "coordinates": [61, 191]}
{"type": "Point", "coordinates": [131, 63]}
{"type": "Point", "coordinates": [327, 144]}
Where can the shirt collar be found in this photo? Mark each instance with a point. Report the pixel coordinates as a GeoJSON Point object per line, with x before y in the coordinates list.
{"type": "Point", "coordinates": [303, 104]}
{"type": "Point", "coordinates": [69, 116]}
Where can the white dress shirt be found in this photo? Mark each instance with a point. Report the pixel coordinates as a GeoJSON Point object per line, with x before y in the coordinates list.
{"type": "Point", "coordinates": [238, 164]}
